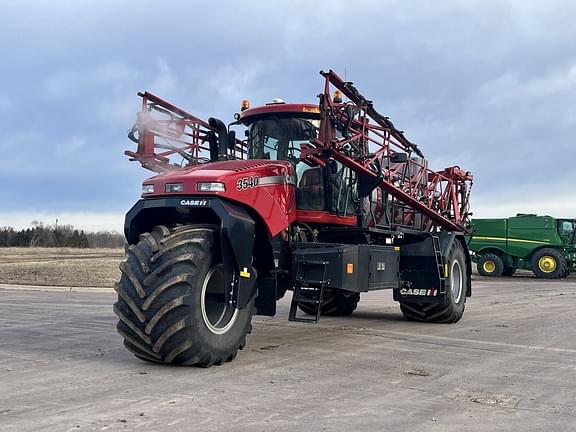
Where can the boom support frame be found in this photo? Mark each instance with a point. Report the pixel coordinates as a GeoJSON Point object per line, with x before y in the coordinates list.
{"type": "Point", "coordinates": [352, 133]}
{"type": "Point", "coordinates": [369, 144]}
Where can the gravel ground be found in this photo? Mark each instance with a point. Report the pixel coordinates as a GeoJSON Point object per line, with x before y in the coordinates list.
{"type": "Point", "coordinates": [508, 365]}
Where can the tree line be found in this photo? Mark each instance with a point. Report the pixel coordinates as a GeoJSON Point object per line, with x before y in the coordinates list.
{"type": "Point", "coordinates": [40, 235]}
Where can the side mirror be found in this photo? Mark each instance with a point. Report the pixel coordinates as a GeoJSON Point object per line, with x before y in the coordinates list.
{"type": "Point", "coordinates": [222, 132]}
{"type": "Point", "coordinates": [231, 140]}
{"type": "Point", "coordinates": [213, 145]}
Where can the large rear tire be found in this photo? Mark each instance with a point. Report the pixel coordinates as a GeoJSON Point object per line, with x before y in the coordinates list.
{"type": "Point", "coordinates": [335, 303]}
{"type": "Point", "coordinates": [548, 263]}
{"type": "Point", "coordinates": [456, 288]}
{"type": "Point", "coordinates": [171, 305]}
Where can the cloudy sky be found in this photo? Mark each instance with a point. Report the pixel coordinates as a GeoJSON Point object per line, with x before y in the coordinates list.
{"type": "Point", "coordinates": [487, 85]}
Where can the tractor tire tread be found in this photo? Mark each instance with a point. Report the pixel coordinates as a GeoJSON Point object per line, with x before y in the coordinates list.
{"type": "Point", "coordinates": [155, 305]}
{"type": "Point", "coordinates": [446, 313]}
{"type": "Point", "coordinates": [335, 303]}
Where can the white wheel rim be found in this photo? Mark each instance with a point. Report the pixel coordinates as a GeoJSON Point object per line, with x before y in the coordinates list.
{"type": "Point", "coordinates": [456, 281]}
{"type": "Point", "coordinates": [218, 315]}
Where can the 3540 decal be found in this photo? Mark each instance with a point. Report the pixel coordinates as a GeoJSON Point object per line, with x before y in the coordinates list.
{"type": "Point", "coordinates": [247, 183]}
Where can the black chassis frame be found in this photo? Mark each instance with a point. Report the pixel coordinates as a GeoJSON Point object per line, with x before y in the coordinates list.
{"type": "Point", "coordinates": [238, 230]}
{"type": "Point", "coordinates": [417, 265]}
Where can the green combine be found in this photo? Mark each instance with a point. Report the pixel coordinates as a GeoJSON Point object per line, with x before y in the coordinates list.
{"type": "Point", "coordinates": [543, 244]}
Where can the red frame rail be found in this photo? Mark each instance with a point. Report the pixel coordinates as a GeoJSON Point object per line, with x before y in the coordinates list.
{"type": "Point", "coordinates": [370, 145]}
{"type": "Point", "coordinates": [367, 142]}
{"type": "Point", "coordinates": [167, 134]}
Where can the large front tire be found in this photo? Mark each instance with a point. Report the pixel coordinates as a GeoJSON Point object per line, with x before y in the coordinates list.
{"type": "Point", "coordinates": [455, 300]}
{"type": "Point", "coordinates": [171, 305]}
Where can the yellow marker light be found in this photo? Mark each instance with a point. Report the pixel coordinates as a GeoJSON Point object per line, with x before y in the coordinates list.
{"type": "Point", "coordinates": [245, 273]}
{"type": "Point", "coordinates": [337, 96]}
{"type": "Point", "coordinates": [349, 268]}
{"type": "Point", "coordinates": [311, 109]}
{"type": "Point", "coordinates": [244, 105]}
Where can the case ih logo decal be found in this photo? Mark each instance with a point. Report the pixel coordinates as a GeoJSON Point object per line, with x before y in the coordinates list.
{"type": "Point", "coordinates": [247, 183]}
{"type": "Point", "coordinates": [194, 202]}
{"type": "Point", "coordinates": [419, 292]}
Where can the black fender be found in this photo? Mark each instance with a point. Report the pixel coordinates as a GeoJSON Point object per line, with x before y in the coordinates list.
{"type": "Point", "coordinates": [447, 239]}
{"type": "Point", "coordinates": [237, 231]}
{"type": "Point", "coordinates": [418, 267]}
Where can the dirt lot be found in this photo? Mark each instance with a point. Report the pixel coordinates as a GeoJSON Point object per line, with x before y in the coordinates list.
{"type": "Point", "coordinates": [67, 267]}
{"type": "Point", "coordinates": [60, 266]}
{"type": "Point", "coordinates": [509, 365]}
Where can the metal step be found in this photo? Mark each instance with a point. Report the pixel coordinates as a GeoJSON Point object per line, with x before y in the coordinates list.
{"type": "Point", "coordinates": [311, 281]}
{"type": "Point", "coordinates": [302, 287]}
{"type": "Point", "coordinates": [308, 301]}
{"type": "Point", "coordinates": [438, 257]}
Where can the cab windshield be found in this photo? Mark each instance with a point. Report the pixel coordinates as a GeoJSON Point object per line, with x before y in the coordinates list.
{"type": "Point", "coordinates": [567, 230]}
{"type": "Point", "coordinates": [278, 138]}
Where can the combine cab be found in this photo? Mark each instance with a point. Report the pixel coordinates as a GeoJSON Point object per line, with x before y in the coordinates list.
{"type": "Point", "coordinates": [327, 201]}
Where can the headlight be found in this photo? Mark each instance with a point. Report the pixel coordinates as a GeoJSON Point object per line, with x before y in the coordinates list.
{"type": "Point", "coordinates": [147, 188]}
{"type": "Point", "coordinates": [173, 187]}
{"type": "Point", "coordinates": [210, 187]}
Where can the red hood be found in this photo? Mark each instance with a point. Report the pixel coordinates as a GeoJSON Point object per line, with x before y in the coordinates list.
{"type": "Point", "coordinates": [218, 167]}
{"type": "Point", "coordinates": [227, 172]}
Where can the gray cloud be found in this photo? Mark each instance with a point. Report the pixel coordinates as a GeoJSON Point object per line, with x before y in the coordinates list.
{"type": "Point", "coordinates": [488, 85]}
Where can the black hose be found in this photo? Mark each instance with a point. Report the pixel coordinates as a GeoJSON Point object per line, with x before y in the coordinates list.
{"type": "Point", "coordinates": [132, 133]}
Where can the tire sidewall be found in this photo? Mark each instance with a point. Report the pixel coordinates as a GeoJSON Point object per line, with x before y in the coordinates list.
{"type": "Point", "coordinates": [219, 344]}
{"type": "Point", "coordinates": [457, 255]}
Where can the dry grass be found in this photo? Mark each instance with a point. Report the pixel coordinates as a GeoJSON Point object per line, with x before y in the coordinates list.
{"type": "Point", "coordinates": [81, 267]}
{"type": "Point", "coordinates": [60, 266]}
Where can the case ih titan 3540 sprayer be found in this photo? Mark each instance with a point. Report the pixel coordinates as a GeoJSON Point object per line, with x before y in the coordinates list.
{"type": "Point", "coordinates": [326, 200]}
